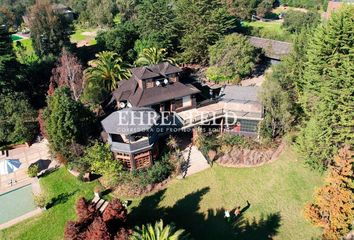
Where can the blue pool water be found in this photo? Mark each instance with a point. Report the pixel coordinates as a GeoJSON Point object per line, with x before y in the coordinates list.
{"type": "Point", "coordinates": [15, 203]}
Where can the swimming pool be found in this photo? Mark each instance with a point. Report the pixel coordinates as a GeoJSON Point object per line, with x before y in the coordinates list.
{"type": "Point", "coordinates": [15, 37]}
{"type": "Point", "coordinates": [16, 203]}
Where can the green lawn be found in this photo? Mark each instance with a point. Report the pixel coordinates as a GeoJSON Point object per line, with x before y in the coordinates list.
{"type": "Point", "coordinates": [27, 43]}
{"type": "Point", "coordinates": [277, 191]}
{"type": "Point", "coordinates": [272, 30]}
{"type": "Point", "coordinates": [64, 189]}
{"type": "Point", "coordinates": [79, 35]}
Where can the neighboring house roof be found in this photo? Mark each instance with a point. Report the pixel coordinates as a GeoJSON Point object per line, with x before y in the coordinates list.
{"type": "Point", "coordinates": [60, 7]}
{"type": "Point", "coordinates": [130, 120]}
{"type": "Point", "coordinates": [272, 48]}
{"type": "Point", "coordinates": [153, 71]}
{"type": "Point", "coordinates": [129, 90]}
{"type": "Point", "coordinates": [243, 101]}
{"type": "Point", "coordinates": [240, 93]}
{"type": "Point", "coordinates": [334, 6]}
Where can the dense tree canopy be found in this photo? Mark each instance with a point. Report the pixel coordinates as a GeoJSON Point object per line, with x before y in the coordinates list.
{"type": "Point", "coordinates": [278, 118]}
{"type": "Point", "coordinates": [156, 23]}
{"type": "Point", "coordinates": [264, 8]}
{"type": "Point", "coordinates": [49, 30]}
{"type": "Point", "coordinates": [120, 39]}
{"type": "Point", "coordinates": [11, 11]}
{"type": "Point", "coordinates": [10, 76]}
{"type": "Point", "coordinates": [101, 12]}
{"type": "Point", "coordinates": [242, 9]}
{"type": "Point", "coordinates": [280, 91]}
{"type": "Point", "coordinates": [231, 59]}
{"type": "Point", "coordinates": [202, 23]}
{"type": "Point", "coordinates": [295, 21]}
{"type": "Point", "coordinates": [327, 90]}
{"type": "Point", "coordinates": [17, 119]}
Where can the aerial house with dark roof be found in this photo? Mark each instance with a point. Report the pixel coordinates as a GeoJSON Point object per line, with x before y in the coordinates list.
{"type": "Point", "coordinates": [152, 91]}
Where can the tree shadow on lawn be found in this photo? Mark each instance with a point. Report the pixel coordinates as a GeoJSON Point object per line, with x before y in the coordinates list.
{"type": "Point", "coordinates": [211, 225]}
{"type": "Point", "coordinates": [61, 198]}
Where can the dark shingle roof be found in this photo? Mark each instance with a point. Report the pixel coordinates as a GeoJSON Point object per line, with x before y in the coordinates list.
{"type": "Point", "coordinates": [129, 90]}
{"type": "Point", "coordinates": [130, 121]}
{"type": "Point", "coordinates": [272, 48]}
{"type": "Point", "coordinates": [153, 71]}
{"type": "Point", "coordinates": [160, 94]}
{"type": "Point", "coordinates": [144, 73]}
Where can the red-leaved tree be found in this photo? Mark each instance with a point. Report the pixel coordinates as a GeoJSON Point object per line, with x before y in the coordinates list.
{"type": "Point", "coordinates": [92, 225]}
{"type": "Point", "coordinates": [98, 230]}
{"type": "Point", "coordinates": [115, 211]}
{"type": "Point", "coordinates": [85, 211]}
{"type": "Point", "coordinates": [332, 208]}
{"type": "Point", "coordinates": [72, 231]}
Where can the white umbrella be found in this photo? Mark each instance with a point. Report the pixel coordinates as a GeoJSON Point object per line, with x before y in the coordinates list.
{"type": "Point", "coordinates": [8, 166]}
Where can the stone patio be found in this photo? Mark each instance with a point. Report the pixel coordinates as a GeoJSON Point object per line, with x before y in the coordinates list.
{"type": "Point", "coordinates": [36, 153]}
{"type": "Point", "coordinates": [195, 160]}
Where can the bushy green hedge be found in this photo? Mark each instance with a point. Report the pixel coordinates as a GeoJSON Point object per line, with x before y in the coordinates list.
{"type": "Point", "coordinates": [159, 172]}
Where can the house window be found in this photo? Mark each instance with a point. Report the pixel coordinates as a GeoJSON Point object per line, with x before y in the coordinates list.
{"type": "Point", "coordinates": [178, 103]}
{"type": "Point", "coordinates": [245, 125]}
{"type": "Point", "coordinates": [149, 84]}
{"type": "Point", "coordinates": [124, 158]}
{"type": "Point", "coordinates": [187, 101]}
{"type": "Point", "coordinates": [116, 138]}
{"type": "Point", "coordinates": [142, 159]}
{"type": "Point", "coordinates": [173, 77]}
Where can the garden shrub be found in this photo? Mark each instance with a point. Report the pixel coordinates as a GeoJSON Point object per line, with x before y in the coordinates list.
{"type": "Point", "coordinates": [33, 170]}
{"type": "Point", "coordinates": [159, 172]}
{"type": "Point", "coordinates": [237, 140]}
{"type": "Point", "coordinates": [207, 143]}
{"type": "Point", "coordinates": [99, 160]}
{"type": "Point", "coordinates": [225, 143]}
{"type": "Point", "coordinates": [40, 200]}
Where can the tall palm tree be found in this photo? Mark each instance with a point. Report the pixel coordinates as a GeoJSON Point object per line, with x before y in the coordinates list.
{"type": "Point", "coordinates": [151, 56]}
{"type": "Point", "coordinates": [107, 69]}
{"type": "Point", "coordinates": [172, 143]}
{"type": "Point", "coordinates": [157, 232]}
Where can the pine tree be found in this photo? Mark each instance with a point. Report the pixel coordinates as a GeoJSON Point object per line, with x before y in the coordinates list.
{"type": "Point", "coordinates": [202, 23]}
{"type": "Point", "coordinates": [328, 89]}
{"type": "Point", "coordinates": [67, 122]}
{"type": "Point", "coordinates": [333, 207]}
{"type": "Point", "coordinates": [10, 74]}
